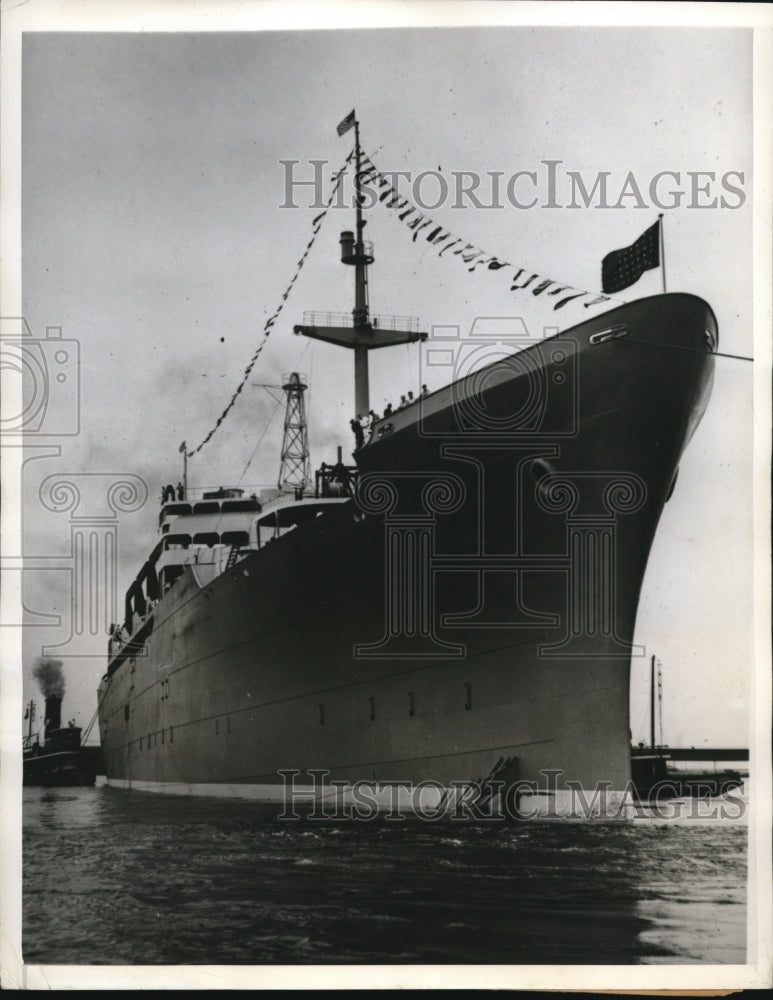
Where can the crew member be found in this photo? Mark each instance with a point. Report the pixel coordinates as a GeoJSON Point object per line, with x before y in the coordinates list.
{"type": "Point", "coordinates": [341, 475]}
{"type": "Point", "coordinates": [359, 434]}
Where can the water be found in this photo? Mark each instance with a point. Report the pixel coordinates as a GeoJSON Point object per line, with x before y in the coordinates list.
{"type": "Point", "coordinates": [116, 877]}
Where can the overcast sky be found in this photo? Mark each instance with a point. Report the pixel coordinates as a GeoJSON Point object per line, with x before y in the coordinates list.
{"type": "Point", "coordinates": [153, 235]}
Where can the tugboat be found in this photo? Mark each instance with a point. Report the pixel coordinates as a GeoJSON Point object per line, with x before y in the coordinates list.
{"type": "Point", "coordinates": [60, 760]}
{"type": "Point", "coordinates": [653, 773]}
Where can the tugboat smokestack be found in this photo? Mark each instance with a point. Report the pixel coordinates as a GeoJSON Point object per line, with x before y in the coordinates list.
{"type": "Point", "coordinates": [53, 713]}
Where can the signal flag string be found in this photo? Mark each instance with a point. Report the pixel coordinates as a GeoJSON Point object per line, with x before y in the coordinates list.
{"type": "Point", "coordinates": [475, 257]}
{"type": "Point", "coordinates": [522, 279]}
{"type": "Point", "coordinates": [315, 227]}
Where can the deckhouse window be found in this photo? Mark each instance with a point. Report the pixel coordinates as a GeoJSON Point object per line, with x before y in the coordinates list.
{"type": "Point", "coordinates": [176, 541]}
{"type": "Point", "coordinates": [206, 538]}
{"type": "Point", "coordinates": [235, 538]}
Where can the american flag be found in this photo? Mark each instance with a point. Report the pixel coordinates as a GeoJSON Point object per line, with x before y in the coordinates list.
{"type": "Point", "coordinates": [346, 124]}
{"type": "Point", "coordinates": [622, 268]}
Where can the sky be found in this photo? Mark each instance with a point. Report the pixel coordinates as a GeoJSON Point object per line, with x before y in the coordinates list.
{"type": "Point", "coordinates": [153, 234]}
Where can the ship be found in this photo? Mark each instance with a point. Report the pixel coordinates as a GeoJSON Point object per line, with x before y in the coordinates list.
{"type": "Point", "coordinates": [655, 777]}
{"type": "Point", "coordinates": [61, 760]}
{"type": "Point", "coordinates": [447, 618]}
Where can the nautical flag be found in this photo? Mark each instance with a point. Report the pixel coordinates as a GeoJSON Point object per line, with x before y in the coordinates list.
{"type": "Point", "coordinates": [346, 124]}
{"type": "Point", "coordinates": [622, 268]}
{"type": "Point", "coordinates": [182, 447]}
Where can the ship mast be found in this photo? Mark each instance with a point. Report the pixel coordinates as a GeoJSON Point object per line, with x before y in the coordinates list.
{"type": "Point", "coordinates": [31, 716]}
{"type": "Point", "coordinates": [363, 333]}
{"type": "Point", "coordinates": [652, 702]}
{"type": "Point", "coordinates": [660, 702]}
{"type": "Point", "coordinates": [361, 258]}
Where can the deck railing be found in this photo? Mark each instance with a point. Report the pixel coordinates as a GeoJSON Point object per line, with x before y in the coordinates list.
{"type": "Point", "coordinates": [410, 323]}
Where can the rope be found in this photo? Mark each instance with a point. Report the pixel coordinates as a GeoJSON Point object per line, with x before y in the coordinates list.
{"type": "Point", "coordinates": [278, 403]}
{"type": "Point", "coordinates": [87, 731]}
{"type": "Point", "coordinates": [316, 224]}
{"type": "Point", "coordinates": [695, 350]}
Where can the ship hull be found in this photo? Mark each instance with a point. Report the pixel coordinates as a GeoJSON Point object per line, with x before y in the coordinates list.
{"type": "Point", "coordinates": [467, 623]}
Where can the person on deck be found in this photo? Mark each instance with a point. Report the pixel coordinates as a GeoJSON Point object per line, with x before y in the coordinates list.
{"type": "Point", "coordinates": [359, 434]}
{"type": "Point", "coordinates": [340, 475]}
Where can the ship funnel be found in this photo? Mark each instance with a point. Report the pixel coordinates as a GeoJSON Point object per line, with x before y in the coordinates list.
{"type": "Point", "coordinates": [53, 713]}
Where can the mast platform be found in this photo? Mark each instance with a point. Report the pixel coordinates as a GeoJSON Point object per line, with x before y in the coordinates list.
{"type": "Point", "coordinates": [377, 331]}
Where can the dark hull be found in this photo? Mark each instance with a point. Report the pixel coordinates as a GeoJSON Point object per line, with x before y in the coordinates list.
{"type": "Point", "coordinates": [59, 770]}
{"type": "Point", "coordinates": [653, 779]}
{"type": "Point", "coordinates": [471, 618]}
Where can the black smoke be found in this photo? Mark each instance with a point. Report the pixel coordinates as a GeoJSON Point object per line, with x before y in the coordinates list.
{"type": "Point", "coordinates": [48, 674]}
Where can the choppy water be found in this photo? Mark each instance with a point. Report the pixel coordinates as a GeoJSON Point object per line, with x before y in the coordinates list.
{"type": "Point", "coordinates": [125, 878]}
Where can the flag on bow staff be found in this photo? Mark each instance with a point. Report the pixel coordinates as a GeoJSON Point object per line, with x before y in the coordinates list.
{"type": "Point", "coordinates": [346, 124]}
{"type": "Point", "coordinates": [622, 268]}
